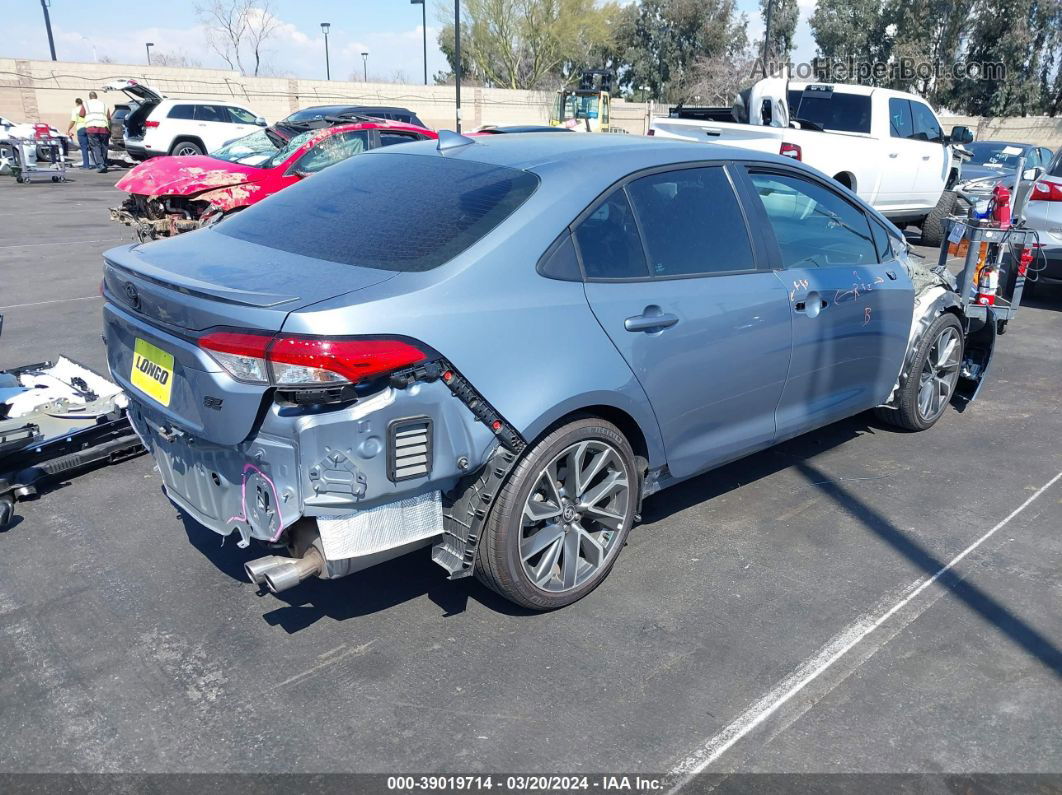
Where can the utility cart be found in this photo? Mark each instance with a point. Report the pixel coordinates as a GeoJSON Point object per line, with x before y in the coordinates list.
{"type": "Point", "coordinates": [37, 159]}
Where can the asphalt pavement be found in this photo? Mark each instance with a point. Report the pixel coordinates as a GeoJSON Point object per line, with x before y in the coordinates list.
{"type": "Point", "coordinates": [801, 611]}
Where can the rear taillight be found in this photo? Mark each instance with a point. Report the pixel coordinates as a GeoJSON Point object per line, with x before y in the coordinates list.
{"type": "Point", "coordinates": [1046, 191]}
{"type": "Point", "coordinates": [790, 150]}
{"type": "Point", "coordinates": [307, 361]}
{"type": "Point", "coordinates": [151, 124]}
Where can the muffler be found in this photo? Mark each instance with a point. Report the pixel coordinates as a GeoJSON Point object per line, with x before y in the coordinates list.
{"type": "Point", "coordinates": [278, 573]}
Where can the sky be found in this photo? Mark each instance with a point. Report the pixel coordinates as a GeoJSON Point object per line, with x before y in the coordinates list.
{"type": "Point", "coordinates": [389, 30]}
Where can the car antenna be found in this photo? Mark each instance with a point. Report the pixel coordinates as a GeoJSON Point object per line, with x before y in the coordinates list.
{"type": "Point", "coordinates": [448, 139]}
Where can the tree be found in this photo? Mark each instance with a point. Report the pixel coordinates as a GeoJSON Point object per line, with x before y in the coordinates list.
{"type": "Point", "coordinates": [660, 42]}
{"type": "Point", "coordinates": [784, 16]}
{"type": "Point", "coordinates": [174, 59]}
{"type": "Point", "coordinates": [525, 43]}
{"type": "Point", "coordinates": [925, 32]}
{"type": "Point", "coordinates": [237, 29]}
{"type": "Point", "coordinates": [849, 32]}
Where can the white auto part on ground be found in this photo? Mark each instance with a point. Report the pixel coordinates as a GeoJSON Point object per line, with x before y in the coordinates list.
{"type": "Point", "coordinates": [386, 526]}
{"type": "Point", "coordinates": [63, 389]}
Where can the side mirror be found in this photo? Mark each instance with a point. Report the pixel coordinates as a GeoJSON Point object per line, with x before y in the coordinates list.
{"type": "Point", "coordinates": [261, 122]}
{"type": "Point", "coordinates": [1032, 174]}
{"type": "Point", "coordinates": [960, 135]}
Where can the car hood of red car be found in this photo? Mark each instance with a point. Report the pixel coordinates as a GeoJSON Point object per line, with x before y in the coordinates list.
{"type": "Point", "coordinates": [186, 176]}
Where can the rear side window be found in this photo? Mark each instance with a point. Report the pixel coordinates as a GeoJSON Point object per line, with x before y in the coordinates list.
{"type": "Point", "coordinates": [692, 222]}
{"type": "Point", "coordinates": [608, 241]}
{"type": "Point", "coordinates": [900, 122]}
{"type": "Point", "coordinates": [814, 227]}
{"type": "Point", "coordinates": [361, 212]}
{"type": "Point", "coordinates": [211, 113]}
{"type": "Point", "coordinates": [392, 138]}
{"type": "Point", "coordinates": [831, 111]}
{"type": "Point", "coordinates": [181, 112]}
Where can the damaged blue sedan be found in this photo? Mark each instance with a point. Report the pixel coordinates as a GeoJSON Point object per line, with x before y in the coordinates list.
{"type": "Point", "coordinates": [497, 347]}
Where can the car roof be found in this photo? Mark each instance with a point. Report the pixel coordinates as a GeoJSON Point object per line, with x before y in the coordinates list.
{"type": "Point", "coordinates": [534, 151]}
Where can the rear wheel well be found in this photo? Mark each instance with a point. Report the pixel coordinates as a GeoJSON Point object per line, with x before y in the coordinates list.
{"type": "Point", "coordinates": [618, 417]}
{"type": "Point", "coordinates": [847, 179]}
{"type": "Point", "coordinates": [180, 139]}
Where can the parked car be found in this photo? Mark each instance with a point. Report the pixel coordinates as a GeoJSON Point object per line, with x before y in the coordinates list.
{"type": "Point", "coordinates": [119, 114]}
{"type": "Point", "coordinates": [996, 162]}
{"type": "Point", "coordinates": [1043, 212]}
{"type": "Point", "coordinates": [886, 146]}
{"type": "Point", "coordinates": [499, 346]}
{"type": "Point", "coordinates": [160, 126]}
{"type": "Point", "coordinates": [169, 195]}
{"type": "Point", "coordinates": [321, 112]}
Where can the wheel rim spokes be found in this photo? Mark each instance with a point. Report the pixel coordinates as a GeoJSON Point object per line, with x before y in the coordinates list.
{"type": "Point", "coordinates": [939, 374]}
{"type": "Point", "coordinates": [576, 510]}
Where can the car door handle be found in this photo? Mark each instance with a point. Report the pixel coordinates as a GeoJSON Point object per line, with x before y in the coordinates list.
{"type": "Point", "coordinates": [926, 157]}
{"type": "Point", "coordinates": [812, 305]}
{"type": "Point", "coordinates": [650, 320]}
{"type": "Point", "coordinates": [894, 154]}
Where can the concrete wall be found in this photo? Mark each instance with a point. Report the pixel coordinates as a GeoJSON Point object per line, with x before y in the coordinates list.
{"type": "Point", "coordinates": [45, 90]}
{"type": "Point", "coordinates": [1038, 130]}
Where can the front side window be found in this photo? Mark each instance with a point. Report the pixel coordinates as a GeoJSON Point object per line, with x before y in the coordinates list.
{"type": "Point", "coordinates": [360, 212]}
{"type": "Point", "coordinates": [814, 226]}
{"type": "Point", "coordinates": [331, 150]}
{"type": "Point", "coordinates": [926, 126]}
{"type": "Point", "coordinates": [609, 243]}
{"type": "Point", "coordinates": [241, 116]}
{"type": "Point", "coordinates": [692, 222]}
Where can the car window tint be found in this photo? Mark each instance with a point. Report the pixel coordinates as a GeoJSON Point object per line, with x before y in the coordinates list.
{"type": "Point", "coordinates": [814, 226]}
{"type": "Point", "coordinates": [926, 126]}
{"type": "Point", "coordinates": [608, 241]}
{"type": "Point", "coordinates": [181, 112]}
{"type": "Point", "coordinates": [901, 125]}
{"type": "Point", "coordinates": [831, 110]}
{"type": "Point", "coordinates": [692, 222]}
{"type": "Point", "coordinates": [359, 212]}
{"type": "Point", "coordinates": [392, 138]}
{"type": "Point", "coordinates": [333, 149]}
{"type": "Point", "coordinates": [210, 113]}
{"type": "Point", "coordinates": [241, 116]}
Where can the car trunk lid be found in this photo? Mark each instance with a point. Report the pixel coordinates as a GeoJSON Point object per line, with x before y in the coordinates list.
{"type": "Point", "coordinates": [163, 296]}
{"type": "Point", "coordinates": [142, 99]}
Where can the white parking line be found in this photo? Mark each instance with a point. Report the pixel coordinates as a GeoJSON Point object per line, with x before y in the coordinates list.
{"type": "Point", "coordinates": [811, 669]}
{"type": "Point", "coordinates": [53, 301]}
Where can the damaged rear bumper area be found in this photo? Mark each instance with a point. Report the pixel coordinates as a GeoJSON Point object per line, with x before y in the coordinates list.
{"type": "Point", "coordinates": [342, 488]}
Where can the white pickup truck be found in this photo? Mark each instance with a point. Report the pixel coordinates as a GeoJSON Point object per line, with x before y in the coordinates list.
{"type": "Point", "coordinates": [887, 146]}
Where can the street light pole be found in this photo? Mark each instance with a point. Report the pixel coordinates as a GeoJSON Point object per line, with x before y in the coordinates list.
{"type": "Point", "coordinates": [424, 29]}
{"type": "Point", "coordinates": [328, 67]}
{"type": "Point", "coordinates": [365, 67]}
{"type": "Point", "coordinates": [147, 47]}
{"type": "Point", "coordinates": [457, 60]}
{"type": "Point", "coordinates": [48, 26]}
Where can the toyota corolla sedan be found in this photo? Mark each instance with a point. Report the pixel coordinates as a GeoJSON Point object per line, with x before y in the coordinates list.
{"type": "Point", "coordinates": [498, 347]}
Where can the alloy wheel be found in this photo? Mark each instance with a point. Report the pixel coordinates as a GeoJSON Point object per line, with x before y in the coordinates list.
{"type": "Point", "coordinates": [186, 149]}
{"type": "Point", "coordinates": [939, 374]}
{"type": "Point", "coordinates": [576, 510]}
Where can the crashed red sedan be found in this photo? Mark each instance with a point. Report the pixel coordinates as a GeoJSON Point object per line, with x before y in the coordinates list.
{"type": "Point", "coordinates": [169, 195]}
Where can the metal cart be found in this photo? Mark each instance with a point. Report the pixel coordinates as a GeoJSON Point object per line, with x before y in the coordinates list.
{"type": "Point", "coordinates": [26, 162]}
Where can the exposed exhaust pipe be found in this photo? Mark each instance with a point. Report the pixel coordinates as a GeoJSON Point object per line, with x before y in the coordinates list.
{"type": "Point", "coordinates": [279, 573]}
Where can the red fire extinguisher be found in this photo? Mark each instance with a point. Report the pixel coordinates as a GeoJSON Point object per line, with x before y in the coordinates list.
{"type": "Point", "coordinates": [987, 285]}
{"type": "Point", "coordinates": [1024, 261]}
{"type": "Point", "coordinates": [999, 209]}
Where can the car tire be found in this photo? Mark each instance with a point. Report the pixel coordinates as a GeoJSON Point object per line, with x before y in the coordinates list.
{"type": "Point", "coordinates": [186, 148]}
{"type": "Point", "coordinates": [918, 407]}
{"type": "Point", "coordinates": [562, 517]}
{"type": "Point", "coordinates": [933, 225]}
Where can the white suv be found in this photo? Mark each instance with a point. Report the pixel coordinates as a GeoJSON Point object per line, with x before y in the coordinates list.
{"type": "Point", "coordinates": [160, 126]}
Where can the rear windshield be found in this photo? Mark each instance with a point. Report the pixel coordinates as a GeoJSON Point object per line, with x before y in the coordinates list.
{"type": "Point", "coordinates": [392, 212]}
{"type": "Point", "coordinates": [831, 111]}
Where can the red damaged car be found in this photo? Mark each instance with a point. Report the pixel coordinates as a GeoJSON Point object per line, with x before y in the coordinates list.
{"type": "Point", "coordinates": [169, 195]}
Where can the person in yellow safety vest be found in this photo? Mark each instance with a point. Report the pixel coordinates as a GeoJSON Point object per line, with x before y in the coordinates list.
{"type": "Point", "coordinates": [97, 126]}
{"type": "Point", "coordinates": [77, 126]}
